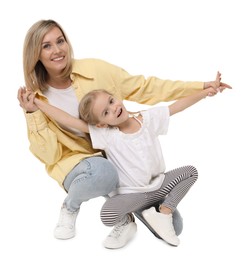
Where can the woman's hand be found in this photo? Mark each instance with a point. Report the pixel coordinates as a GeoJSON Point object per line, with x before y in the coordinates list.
{"type": "Point", "coordinates": [217, 84]}
{"type": "Point", "coordinates": [26, 100]}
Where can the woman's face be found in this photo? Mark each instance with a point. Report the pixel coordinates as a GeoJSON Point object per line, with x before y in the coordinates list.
{"type": "Point", "coordinates": [54, 51]}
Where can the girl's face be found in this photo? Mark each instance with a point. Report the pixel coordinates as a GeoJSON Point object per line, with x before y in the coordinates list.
{"type": "Point", "coordinates": [109, 110]}
{"type": "Point", "coordinates": [54, 51]}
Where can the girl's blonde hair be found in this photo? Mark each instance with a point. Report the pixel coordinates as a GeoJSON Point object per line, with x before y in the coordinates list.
{"type": "Point", "coordinates": [86, 106]}
{"type": "Point", "coordinates": [35, 74]}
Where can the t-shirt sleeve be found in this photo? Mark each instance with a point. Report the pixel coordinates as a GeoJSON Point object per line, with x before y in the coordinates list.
{"type": "Point", "coordinates": [158, 120]}
{"type": "Point", "coordinates": [98, 137]}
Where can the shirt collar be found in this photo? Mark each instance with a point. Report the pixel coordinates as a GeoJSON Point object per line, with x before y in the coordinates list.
{"type": "Point", "coordinates": [81, 69]}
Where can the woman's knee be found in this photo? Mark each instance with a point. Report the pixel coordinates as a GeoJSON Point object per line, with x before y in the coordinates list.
{"type": "Point", "coordinates": [105, 172]}
{"type": "Point", "coordinates": [93, 177]}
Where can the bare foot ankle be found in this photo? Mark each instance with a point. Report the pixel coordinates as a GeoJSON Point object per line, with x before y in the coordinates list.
{"type": "Point", "coordinates": [165, 210]}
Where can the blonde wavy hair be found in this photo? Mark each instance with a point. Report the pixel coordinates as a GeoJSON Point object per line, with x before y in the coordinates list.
{"type": "Point", "coordinates": [35, 74]}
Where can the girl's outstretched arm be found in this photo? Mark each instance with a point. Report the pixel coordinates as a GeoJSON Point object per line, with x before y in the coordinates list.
{"type": "Point", "coordinates": [188, 101]}
{"type": "Point", "coordinates": [61, 116]}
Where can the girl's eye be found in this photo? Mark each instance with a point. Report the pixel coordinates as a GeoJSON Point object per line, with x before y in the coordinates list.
{"type": "Point", "coordinates": [106, 113]}
{"type": "Point", "coordinates": [111, 100]}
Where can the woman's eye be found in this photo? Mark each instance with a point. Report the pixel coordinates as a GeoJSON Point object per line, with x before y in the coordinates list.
{"type": "Point", "coordinates": [61, 41]}
{"type": "Point", "coordinates": [46, 46]}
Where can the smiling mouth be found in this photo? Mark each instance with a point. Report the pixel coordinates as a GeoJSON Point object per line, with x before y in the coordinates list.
{"type": "Point", "coordinates": [58, 58]}
{"type": "Point", "coordinates": [120, 112]}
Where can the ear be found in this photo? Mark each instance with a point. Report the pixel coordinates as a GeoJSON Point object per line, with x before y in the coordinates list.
{"type": "Point", "coordinates": [99, 125]}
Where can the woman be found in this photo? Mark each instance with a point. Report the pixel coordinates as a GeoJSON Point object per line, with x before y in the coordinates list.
{"type": "Point", "coordinates": [51, 71]}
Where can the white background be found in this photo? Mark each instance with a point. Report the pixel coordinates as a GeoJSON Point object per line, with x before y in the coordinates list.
{"type": "Point", "coordinates": [186, 40]}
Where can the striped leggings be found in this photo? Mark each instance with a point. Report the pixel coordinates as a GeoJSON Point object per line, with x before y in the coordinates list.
{"type": "Point", "coordinates": [176, 184]}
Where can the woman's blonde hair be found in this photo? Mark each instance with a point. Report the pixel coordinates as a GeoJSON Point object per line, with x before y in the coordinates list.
{"type": "Point", "coordinates": [86, 106]}
{"type": "Point", "coordinates": [35, 74]}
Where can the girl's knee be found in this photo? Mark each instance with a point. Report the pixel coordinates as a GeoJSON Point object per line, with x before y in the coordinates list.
{"type": "Point", "coordinates": [193, 171]}
{"type": "Point", "coordinates": [109, 219]}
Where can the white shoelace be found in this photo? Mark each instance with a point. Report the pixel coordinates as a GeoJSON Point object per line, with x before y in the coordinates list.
{"type": "Point", "coordinates": [67, 218]}
{"type": "Point", "coordinates": [118, 229]}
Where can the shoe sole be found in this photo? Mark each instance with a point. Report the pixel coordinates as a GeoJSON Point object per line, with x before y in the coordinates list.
{"type": "Point", "coordinates": [138, 214]}
{"type": "Point", "coordinates": [149, 215]}
{"type": "Point", "coordinates": [146, 224]}
{"type": "Point", "coordinates": [64, 237]}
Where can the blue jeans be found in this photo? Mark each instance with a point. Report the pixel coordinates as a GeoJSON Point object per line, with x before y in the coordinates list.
{"type": "Point", "coordinates": [91, 178]}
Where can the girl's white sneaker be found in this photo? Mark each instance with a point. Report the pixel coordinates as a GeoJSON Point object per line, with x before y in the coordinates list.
{"type": "Point", "coordinates": [162, 224]}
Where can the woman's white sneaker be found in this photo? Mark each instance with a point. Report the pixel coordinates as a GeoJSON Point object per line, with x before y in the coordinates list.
{"type": "Point", "coordinates": [65, 228]}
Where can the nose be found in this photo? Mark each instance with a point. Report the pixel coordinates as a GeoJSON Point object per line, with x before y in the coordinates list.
{"type": "Point", "coordinates": [114, 108]}
{"type": "Point", "coordinates": [56, 48]}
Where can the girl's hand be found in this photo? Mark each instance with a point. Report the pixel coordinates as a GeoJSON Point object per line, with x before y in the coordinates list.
{"type": "Point", "coordinates": [217, 84]}
{"type": "Point", "coordinates": [211, 91]}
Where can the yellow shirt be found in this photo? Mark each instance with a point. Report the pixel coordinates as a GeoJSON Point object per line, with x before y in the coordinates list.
{"type": "Point", "coordinates": [61, 150]}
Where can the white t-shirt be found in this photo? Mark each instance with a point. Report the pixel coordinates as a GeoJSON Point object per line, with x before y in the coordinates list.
{"type": "Point", "coordinates": [66, 100]}
{"type": "Point", "coordinates": [138, 156]}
